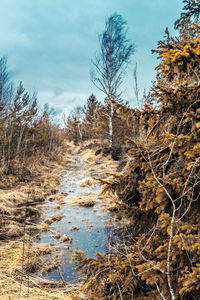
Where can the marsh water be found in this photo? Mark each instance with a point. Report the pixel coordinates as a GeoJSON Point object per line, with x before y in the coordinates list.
{"type": "Point", "coordinates": [89, 228]}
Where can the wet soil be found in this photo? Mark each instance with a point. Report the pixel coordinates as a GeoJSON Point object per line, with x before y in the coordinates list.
{"type": "Point", "coordinates": [78, 214]}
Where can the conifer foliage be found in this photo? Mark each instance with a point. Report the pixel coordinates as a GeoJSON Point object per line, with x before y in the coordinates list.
{"type": "Point", "coordinates": [160, 184]}
{"type": "Point", "coordinates": [26, 134]}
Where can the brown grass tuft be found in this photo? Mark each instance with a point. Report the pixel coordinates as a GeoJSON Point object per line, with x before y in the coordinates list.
{"type": "Point", "coordinates": [83, 202]}
{"type": "Point", "coordinates": [57, 217]}
{"type": "Point", "coordinates": [66, 238]}
{"type": "Point", "coordinates": [74, 228]}
{"type": "Point", "coordinates": [57, 236]}
{"type": "Point", "coordinates": [57, 206]}
{"type": "Point", "coordinates": [44, 227]}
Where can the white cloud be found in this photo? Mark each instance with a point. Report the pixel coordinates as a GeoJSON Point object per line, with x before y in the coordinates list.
{"type": "Point", "coordinates": [50, 43]}
{"type": "Point", "coordinates": [67, 101]}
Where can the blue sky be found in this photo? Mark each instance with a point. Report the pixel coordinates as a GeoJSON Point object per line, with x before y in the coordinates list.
{"type": "Point", "coordinates": [50, 44]}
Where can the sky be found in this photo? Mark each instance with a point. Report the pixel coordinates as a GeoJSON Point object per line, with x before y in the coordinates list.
{"type": "Point", "coordinates": [50, 44]}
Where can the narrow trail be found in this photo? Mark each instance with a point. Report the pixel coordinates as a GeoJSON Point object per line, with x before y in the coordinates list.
{"type": "Point", "coordinates": [84, 221]}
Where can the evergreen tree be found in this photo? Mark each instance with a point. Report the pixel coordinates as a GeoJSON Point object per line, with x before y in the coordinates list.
{"type": "Point", "coordinates": [160, 184]}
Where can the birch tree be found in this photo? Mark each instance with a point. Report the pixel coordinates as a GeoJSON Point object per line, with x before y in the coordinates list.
{"type": "Point", "coordinates": [159, 256]}
{"type": "Point", "coordinates": [110, 63]}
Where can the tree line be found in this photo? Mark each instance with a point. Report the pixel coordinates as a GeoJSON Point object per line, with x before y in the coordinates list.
{"type": "Point", "coordinates": [158, 257]}
{"type": "Point", "coordinates": [26, 132]}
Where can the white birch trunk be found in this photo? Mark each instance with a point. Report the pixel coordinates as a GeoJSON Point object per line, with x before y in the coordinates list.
{"type": "Point", "coordinates": [111, 124]}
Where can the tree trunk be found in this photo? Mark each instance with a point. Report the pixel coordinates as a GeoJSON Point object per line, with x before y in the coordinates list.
{"type": "Point", "coordinates": [20, 138]}
{"type": "Point", "coordinates": [111, 124]}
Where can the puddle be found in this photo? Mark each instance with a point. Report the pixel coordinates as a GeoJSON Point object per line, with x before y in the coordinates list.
{"type": "Point", "coordinates": [92, 226]}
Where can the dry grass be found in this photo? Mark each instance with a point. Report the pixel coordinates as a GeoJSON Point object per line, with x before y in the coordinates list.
{"type": "Point", "coordinates": [57, 236]}
{"type": "Point", "coordinates": [24, 199]}
{"type": "Point", "coordinates": [14, 231]}
{"type": "Point", "coordinates": [11, 267]}
{"type": "Point", "coordinates": [44, 227]}
{"type": "Point", "coordinates": [73, 228]}
{"type": "Point", "coordinates": [88, 182]}
{"type": "Point", "coordinates": [61, 202]}
{"type": "Point", "coordinates": [86, 203]}
{"type": "Point", "coordinates": [57, 217]}
{"type": "Point", "coordinates": [35, 258]}
{"type": "Point", "coordinates": [83, 202]}
{"type": "Point", "coordinates": [49, 221]}
{"type": "Point", "coordinates": [38, 290]}
{"type": "Point", "coordinates": [89, 156]}
{"type": "Point", "coordinates": [56, 206]}
{"type": "Point", "coordinates": [57, 197]}
{"type": "Point", "coordinates": [66, 238]}
{"type": "Point", "coordinates": [20, 200]}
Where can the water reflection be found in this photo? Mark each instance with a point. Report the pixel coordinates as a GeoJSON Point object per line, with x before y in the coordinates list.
{"type": "Point", "coordinates": [93, 229]}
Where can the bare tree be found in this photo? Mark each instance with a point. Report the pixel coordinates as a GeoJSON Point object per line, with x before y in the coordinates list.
{"type": "Point", "coordinates": [6, 86]}
{"type": "Point", "coordinates": [111, 61]}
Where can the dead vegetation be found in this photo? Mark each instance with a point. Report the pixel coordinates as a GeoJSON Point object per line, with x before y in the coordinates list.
{"type": "Point", "coordinates": [66, 238]}
{"type": "Point", "coordinates": [19, 260]}
{"type": "Point", "coordinates": [23, 202]}
{"type": "Point", "coordinates": [20, 211]}
{"type": "Point", "coordinates": [82, 202]}
{"type": "Point", "coordinates": [87, 182]}
{"type": "Point", "coordinates": [57, 236]}
{"type": "Point", "coordinates": [57, 217]}
{"type": "Point", "coordinates": [73, 228]}
{"type": "Point", "coordinates": [44, 227]}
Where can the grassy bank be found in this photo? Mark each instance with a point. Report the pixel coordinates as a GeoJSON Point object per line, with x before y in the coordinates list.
{"type": "Point", "coordinates": [22, 220]}
{"type": "Point", "coordinates": [20, 212]}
